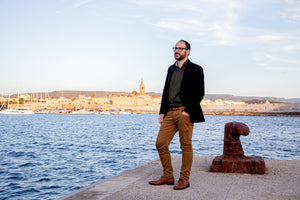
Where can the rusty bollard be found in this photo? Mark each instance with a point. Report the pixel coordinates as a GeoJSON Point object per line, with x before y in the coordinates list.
{"type": "Point", "coordinates": [233, 159]}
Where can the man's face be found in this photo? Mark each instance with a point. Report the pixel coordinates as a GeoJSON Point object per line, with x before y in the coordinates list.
{"type": "Point", "coordinates": [181, 54]}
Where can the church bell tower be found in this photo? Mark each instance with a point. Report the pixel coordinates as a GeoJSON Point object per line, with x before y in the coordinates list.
{"type": "Point", "coordinates": [142, 88]}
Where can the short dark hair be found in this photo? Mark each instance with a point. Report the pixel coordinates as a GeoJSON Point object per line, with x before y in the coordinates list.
{"type": "Point", "coordinates": [188, 46]}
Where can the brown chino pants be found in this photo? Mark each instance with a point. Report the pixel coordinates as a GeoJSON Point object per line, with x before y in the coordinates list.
{"type": "Point", "coordinates": [175, 121]}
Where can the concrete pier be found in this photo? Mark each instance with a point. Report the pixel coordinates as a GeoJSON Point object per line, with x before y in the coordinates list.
{"type": "Point", "coordinates": [281, 182]}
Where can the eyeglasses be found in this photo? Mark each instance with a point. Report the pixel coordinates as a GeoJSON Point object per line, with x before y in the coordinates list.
{"type": "Point", "coordinates": [179, 48]}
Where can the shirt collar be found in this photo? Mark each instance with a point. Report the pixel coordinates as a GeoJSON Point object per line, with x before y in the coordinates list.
{"type": "Point", "coordinates": [184, 64]}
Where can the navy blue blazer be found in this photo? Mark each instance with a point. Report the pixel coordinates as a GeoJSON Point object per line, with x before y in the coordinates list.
{"type": "Point", "coordinates": [191, 93]}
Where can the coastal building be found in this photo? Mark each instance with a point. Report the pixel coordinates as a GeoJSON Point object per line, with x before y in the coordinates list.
{"type": "Point", "coordinates": [131, 101]}
{"type": "Point", "coordinates": [109, 102]}
{"type": "Point", "coordinates": [142, 88]}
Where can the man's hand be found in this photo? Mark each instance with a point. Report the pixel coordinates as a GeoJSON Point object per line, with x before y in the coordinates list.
{"type": "Point", "coordinates": [161, 118]}
{"type": "Point", "coordinates": [185, 113]}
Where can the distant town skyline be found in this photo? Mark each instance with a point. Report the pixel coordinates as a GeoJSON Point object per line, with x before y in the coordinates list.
{"type": "Point", "coordinates": [247, 48]}
{"type": "Point", "coordinates": [87, 93]}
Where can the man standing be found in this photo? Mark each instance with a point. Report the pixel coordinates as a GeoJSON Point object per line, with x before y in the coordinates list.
{"type": "Point", "coordinates": [180, 108]}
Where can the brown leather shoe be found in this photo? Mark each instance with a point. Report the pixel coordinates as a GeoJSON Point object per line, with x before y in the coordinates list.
{"type": "Point", "coordinates": [162, 181]}
{"type": "Point", "coordinates": [181, 184]}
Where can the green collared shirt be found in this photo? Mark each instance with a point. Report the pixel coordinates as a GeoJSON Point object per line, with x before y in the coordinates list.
{"type": "Point", "coordinates": [175, 86]}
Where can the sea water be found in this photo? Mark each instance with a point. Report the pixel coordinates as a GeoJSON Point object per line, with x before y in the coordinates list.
{"type": "Point", "coordinates": [48, 156]}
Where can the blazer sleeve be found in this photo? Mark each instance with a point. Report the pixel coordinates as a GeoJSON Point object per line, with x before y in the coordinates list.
{"type": "Point", "coordinates": [194, 89]}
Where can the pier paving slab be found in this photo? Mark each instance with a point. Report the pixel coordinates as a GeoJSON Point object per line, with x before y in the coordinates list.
{"type": "Point", "coordinates": [281, 182]}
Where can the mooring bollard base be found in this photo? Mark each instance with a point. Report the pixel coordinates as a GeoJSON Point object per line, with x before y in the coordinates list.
{"type": "Point", "coordinates": [233, 164]}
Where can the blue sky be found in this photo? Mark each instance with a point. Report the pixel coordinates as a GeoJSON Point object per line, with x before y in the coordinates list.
{"type": "Point", "coordinates": [247, 48]}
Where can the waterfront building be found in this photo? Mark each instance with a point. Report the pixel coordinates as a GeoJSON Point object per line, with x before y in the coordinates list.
{"type": "Point", "coordinates": [142, 88]}
{"type": "Point", "coordinates": [131, 101]}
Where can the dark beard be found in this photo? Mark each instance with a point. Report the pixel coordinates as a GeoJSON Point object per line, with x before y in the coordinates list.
{"type": "Point", "coordinates": [181, 57]}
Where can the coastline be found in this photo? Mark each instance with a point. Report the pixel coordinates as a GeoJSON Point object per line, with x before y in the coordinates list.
{"type": "Point", "coordinates": [283, 114]}
{"type": "Point", "coordinates": [282, 109]}
{"type": "Point", "coordinates": [225, 113]}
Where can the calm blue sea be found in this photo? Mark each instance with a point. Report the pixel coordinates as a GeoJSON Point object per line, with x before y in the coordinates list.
{"type": "Point", "coordinates": [48, 156]}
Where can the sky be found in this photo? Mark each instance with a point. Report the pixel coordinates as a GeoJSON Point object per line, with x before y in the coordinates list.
{"type": "Point", "coordinates": [246, 48]}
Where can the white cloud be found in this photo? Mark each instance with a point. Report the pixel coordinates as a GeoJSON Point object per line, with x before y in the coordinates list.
{"type": "Point", "coordinates": [291, 47]}
{"type": "Point", "coordinates": [276, 61]}
{"type": "Point", "coordinates": [81, 3]}
{"type": "Point", "coordinates": [171, 24]}
{"type": "Point", "coordinates": [288, 42]}
{"type": "Point", "coordinates": [222, 23]}
{"type": "Point", "coordinates": [292, 12]}
{"type": "Point", "coordinates": [280, 68]}
{"type": "Point", "coordinates": [283, 42]}
{"type": "Point", "coordinates": [215, 21]}
{"type": "Point", "coordinates": [271, 37]}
